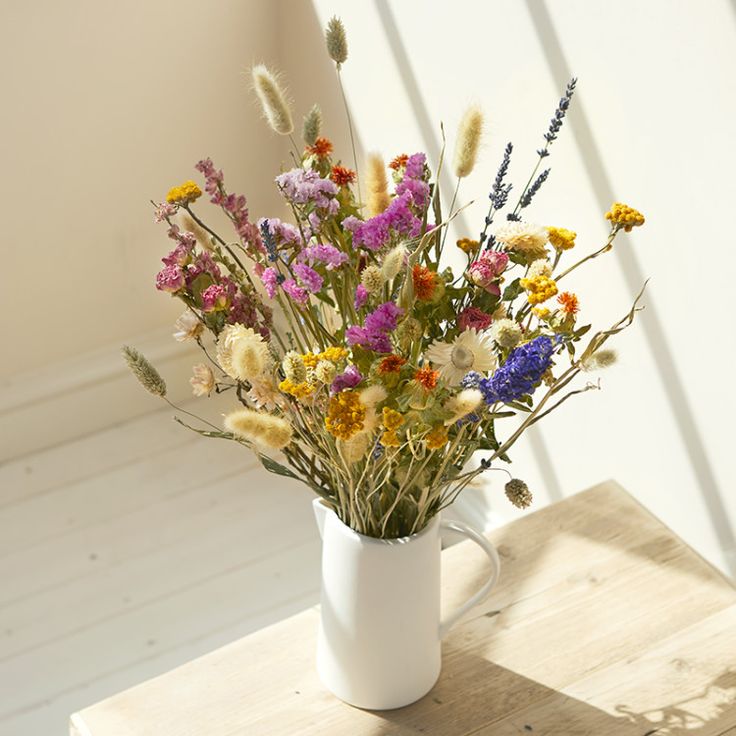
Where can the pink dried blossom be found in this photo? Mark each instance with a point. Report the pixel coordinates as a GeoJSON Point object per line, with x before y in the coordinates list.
{"type": "Point", "coordinates": [474, 318]}
{"type": "Point", "coordinates": [163, 211]}
{"type": "Point", "coordinates": [486, 269]}
{"type": "Point", "coordinates": [215, 298]}
{"type": "Point", "coordinates": [170, 278]}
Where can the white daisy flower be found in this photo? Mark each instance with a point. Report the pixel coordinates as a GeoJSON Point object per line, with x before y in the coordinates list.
{"type": "Point", "coordinates": [469, 351]}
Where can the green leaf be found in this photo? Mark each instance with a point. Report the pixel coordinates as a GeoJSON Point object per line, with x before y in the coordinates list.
{"type": "Point", "coordinates": [512, 291]}
{"type": "Point", "coordinates": [273, 467]}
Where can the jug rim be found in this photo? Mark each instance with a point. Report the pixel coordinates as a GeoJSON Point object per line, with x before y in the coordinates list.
{"type": "Point", "coordinates": [365, 539]}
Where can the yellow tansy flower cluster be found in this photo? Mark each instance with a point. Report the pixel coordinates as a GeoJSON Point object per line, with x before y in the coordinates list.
{"type": "Point", "coordinates": [539, 289]}
{"type": "Point", "coordinates": [437, 438]}
{"type": "Point", "coordinates": [541, 312]}
{"type": "Point", "coordinates": [333, 354]}
{"type": "Point", "coordinates": [468, 246]}
{"type": "Point", "coordinates": [300, 390]}
{"type": "Point", "coordinates": [184, 193]}
{"type": "Point", "coordinates": [623, 216]}
{"type": "Point", "coordinates": [345, 415]}
{"type": "Point", "coordinates": [561, 238]}
{"type": "Point", "coordinates": [391, 420]}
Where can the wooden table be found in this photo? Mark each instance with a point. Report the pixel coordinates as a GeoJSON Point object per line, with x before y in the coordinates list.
{"type": "Point", "coordinates": [604, 622]}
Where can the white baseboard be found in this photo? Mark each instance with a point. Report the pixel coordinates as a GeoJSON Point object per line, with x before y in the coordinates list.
{"type": "Point", "coordinates": [90, 392]}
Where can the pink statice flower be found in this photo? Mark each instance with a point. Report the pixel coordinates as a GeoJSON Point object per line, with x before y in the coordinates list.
{"type": "Point", "coordinates": [180, 256]}
{"type": "Point", "coordinates": [234, 205]}
{"type": "Point", "coordinates": [270, 280]}
{"type": "Point", "coordinates": [164, 211]}
{"type": "Point", "coordinates": [215, 298]}
{"type": "Point", "coordinates": [486, 270]}
{"type": "Point", "coordinates": [299, 294]}
{"type": "Point", "coordinates": [324, 253]}
{"type": "Point", "coordinates": [170, 278]}
{"type": "Point", "coordinates": [361, 296]}
{"type": "Point", "coordinates": [349, 378]}
{"type": "Point", "coordinates": [308, 277]}
{"type": "Point", "coordinates": [474, 318]}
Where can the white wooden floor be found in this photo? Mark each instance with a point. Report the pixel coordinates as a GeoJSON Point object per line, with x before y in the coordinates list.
{"type": "Point", "coordinates": [131, 551]}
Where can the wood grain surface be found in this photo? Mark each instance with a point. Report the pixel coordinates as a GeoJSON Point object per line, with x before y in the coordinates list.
{"type": "Point", "coordinates": [604, 622]}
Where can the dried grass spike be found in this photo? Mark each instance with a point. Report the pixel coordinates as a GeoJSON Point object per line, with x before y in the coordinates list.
{"type": "Point", "coordinates": [468, 141]}
{"type": "Point", "coordinates": [337, 42]}
{"type": "Point", "coordinates": [146, 374]}
{"type": "Point", "coordinates": [377, 184]}
{"type": "Point", "coordinates": [273, 100]}
{"type": "Point", "coordinates": [312, 125]}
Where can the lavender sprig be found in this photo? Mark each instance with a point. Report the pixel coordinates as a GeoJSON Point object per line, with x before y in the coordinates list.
{"type": "Point", "coordinates": [526, 200]}
{"type": "Point", "coordinates": [268, 241]}
{"type": "Point", "coordinates": [499, 194]}
{"type": "Point", "coordinates": [555, 124]}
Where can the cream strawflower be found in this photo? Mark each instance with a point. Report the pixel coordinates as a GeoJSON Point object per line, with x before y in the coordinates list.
{"type": "Point", "coordinates": [540, 267]}
{"type": "Point", "coordinates": [242, 352]}
{"type": "Point", "coordinates": [470, 351]}
{"type": "Point", "coordinates": [264, 394]}
{"type": "Point", "coordinates": [524, 238]}
{"type": "Point", "coordinates": [188, 326]}
{"type": "Point", "coordinates": [203, 380]}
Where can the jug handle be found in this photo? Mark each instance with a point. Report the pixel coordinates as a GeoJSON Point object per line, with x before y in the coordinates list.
{"type": "Point", "coordinates": [485, 591]}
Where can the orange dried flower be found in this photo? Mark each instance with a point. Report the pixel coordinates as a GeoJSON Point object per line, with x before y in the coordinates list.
{"type": "Point", "coordinates": [391, 364]}
{"type": "Point", "coordinates": [342, 176]}
{"type": "Point", "coordinates": [569, 302]}
{"type": "Point", "coordinates": [424, 282]}
{"type": "Point", "coordinates": [399, 162]}
{"type": "Point", "coordinates": [427, 378]}
{"type": "Point", "coordinates": [322, 148]}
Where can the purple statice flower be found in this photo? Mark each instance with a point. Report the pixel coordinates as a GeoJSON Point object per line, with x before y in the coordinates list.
{"type": "Point", "coordinates": [234, 205]}
{"type": "Point", "coordinates": [283, 233]}
{"type": "Point", "coordinates": [521, 373]}
{"type": "Point", "coordinates": [417, 189]}
{"type": "Point", "coordinates": [305, 186]}
{"type": "Point", "coordinates": [414, 168]}
{"type": "Point", "coordinates": [308, 277]}
{"type": "Point", "coordinates": [374, 335]}
{"type": "Point", "coordinates": [324, 253]}
{"type": "Point", "coordinates": [471, 379]}
{"type": "Point", "coordinates": [215, 298]}
{"type": "Point", "coordinates": [361, 296]}
{"type": "Point", "coordinates": [170, 278]}
{"type": "Point", "coordinates": [398, 218]}
{"type": "Point", "coordinates": [350, 378]}
{"type": "Point", "coordinates": [299, 294]}
{"type": "Point", "coordinates": [270, 278]}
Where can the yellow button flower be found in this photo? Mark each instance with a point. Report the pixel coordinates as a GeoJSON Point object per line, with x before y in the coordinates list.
{"type": "Point", "coordinates": [561, 238]}
{"type": "Point", "coordinates": [345, 415]}
{"type": "Point", "coordinates": [623, 216]}
{"type": "Point", "coordinates": [539, 289]}
{"type": "Point", "coordinates": [184, 193]}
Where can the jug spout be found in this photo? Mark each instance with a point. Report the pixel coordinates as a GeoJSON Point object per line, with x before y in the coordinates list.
{"type": "Point", "coordinates": [320, 514]}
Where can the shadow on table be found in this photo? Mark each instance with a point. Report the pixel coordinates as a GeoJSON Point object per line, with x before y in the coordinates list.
{"type": "Point", "coordinates": [476, 696]}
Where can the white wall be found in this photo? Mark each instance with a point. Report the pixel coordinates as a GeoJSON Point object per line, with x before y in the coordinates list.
{"type": "Point", "coordinates": [108, 104]}
{"type": "Point", "coordinates": [650, 125]}
{"type": "Point", "coordinates": [105, 106]}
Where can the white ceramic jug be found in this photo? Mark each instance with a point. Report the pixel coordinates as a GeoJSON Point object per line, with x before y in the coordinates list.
{"type": "Point", "coordinates": [379, 644]}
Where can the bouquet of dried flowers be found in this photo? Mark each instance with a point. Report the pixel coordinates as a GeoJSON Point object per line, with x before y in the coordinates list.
{"type": "Point", "coordinates": [384, 369]}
